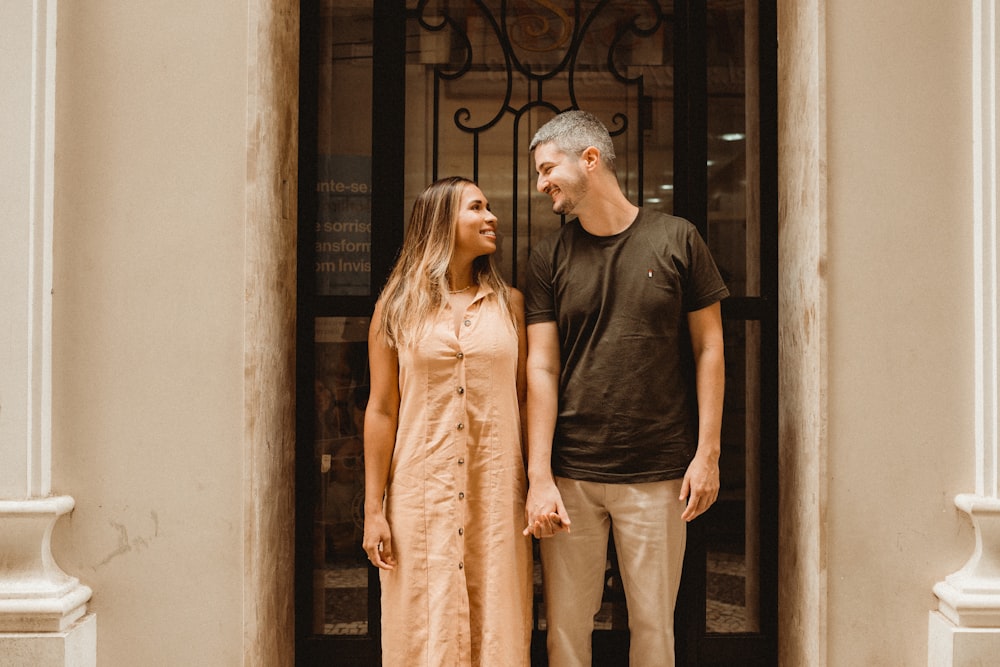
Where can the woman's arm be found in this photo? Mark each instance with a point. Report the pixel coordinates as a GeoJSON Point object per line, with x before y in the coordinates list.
{"type": "Point", "coordinates": [381, 418]}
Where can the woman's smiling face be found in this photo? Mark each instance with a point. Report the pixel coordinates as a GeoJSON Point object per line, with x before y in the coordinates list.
{"type": "Point", "coordinates": [476, 229]}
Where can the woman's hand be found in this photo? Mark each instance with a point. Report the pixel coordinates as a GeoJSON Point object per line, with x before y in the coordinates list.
{"type": "Point", "coordinates": [544, 512]}
{"type": "Point", "coordinates": [377, 542]}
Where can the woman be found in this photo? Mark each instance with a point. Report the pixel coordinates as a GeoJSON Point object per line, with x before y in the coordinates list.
{"type": "Point", "coordinates": [444, 464]}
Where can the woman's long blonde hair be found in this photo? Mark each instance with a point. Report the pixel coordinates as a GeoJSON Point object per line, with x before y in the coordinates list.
{"type": "Point", "coordinates": [417, 285]}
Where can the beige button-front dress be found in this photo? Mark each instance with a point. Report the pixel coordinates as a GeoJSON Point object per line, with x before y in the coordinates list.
{"type": "Point", "coordinates": [461, 590]}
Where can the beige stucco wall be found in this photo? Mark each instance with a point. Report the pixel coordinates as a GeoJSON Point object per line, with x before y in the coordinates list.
{"type": "Point", "coordinates": [173, 312]}
{"type": "Point", "coordinates": [868, 523]}
{"type": "Point", "coordinates": [901, 319]}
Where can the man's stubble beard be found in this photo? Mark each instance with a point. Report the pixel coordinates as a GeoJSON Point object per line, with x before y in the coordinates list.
{"type": "Point", "coordinates": [569, 201]}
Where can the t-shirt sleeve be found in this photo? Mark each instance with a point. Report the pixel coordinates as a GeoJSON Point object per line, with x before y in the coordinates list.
{"type": "Point", "coordinates": [539, 305]}
{"type": "Point", "coordinates": [705, 285]}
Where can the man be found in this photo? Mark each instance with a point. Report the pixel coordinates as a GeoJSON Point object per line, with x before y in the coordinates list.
{"type": "Point", "coordinates": [625, 388]}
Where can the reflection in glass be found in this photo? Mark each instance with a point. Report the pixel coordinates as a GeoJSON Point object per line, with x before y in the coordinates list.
{"type": "Point", "coordinates": [733, 551]}
{"type": "Point", "coordinates": [344, 144]}
{"type": "Point", "coordinates": [341, 394]}
{"type": "Point", "coordinates": [731, 525]}
{"type": "Point", "coordinates": [343, 267]}
{"type": "Point", "coordinates": [733, 143]}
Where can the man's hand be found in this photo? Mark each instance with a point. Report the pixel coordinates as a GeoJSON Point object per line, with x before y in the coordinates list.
{"type": "Point", "coordinates": [701, 486]}
{"type": "Point", "coordinates": [544, 512]}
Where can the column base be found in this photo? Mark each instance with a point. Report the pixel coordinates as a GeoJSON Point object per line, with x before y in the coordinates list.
{"type": "Point", "coordinates": [35, 595]}
{"type": "Point", "coordinates": [952, 646]}
{"type": "Point", "coordinates": [965, 628]}
{"type": "Point", "coordinates": [44, 614]}
{"type": "Point", "coordinates": [970, 598]}
{"type": "Point", "coordinates": [74, 647]}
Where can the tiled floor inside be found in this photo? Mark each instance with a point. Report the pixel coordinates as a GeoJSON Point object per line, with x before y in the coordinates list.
{"type": "Point", "coordinates": [346, 598]}
{"type": "Point", "coordinates": [726, 603]}
{"type": "Point", "coordinates": [346, 601]}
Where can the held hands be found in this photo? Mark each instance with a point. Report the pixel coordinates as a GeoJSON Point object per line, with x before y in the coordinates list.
{"type": "Point", "coordinates": [700, 487]}
{"type": "Point", "coordinates": [544, 512]}
{"type": "Point", "coordinates": [377, 542]}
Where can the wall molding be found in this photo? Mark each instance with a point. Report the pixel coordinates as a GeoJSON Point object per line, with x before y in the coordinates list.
{"type": "Point", "coordinates": [966, 626]}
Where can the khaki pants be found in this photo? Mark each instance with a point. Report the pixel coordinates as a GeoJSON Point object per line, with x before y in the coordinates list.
{"type": "Point", "coordinates": [649, 539]}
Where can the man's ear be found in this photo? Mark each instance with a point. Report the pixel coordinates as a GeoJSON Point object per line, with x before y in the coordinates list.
{"type": "Point", "coordinates": [591, 157]}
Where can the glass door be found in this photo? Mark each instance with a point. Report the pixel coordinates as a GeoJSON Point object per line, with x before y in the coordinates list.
{"type": "Point", "coordinates": [336, 592]}
{"type": "Point", "coordinates": [397, 94]}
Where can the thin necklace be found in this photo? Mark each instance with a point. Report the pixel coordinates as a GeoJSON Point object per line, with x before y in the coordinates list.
{"type": "Point", "coordinates": [459, 291]}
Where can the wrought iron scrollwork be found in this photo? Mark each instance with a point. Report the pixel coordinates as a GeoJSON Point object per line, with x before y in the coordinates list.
{"type": "Point", "coordinates": [541, 49]}
{"type": "Point", "coordinates": [535, 27]}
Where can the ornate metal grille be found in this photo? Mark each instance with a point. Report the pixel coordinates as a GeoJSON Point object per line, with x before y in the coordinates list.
{"type": "Point", "coordinates": [529, 60]}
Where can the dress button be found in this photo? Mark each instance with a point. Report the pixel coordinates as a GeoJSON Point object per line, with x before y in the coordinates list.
{"type": "Point", "coordinates": [468, 323]}
{"type": "Point", "coordinates": [461, 461]}
{"type": "Point", "coordinates": [460, 355]}
{"type": "Point", "coordinates": [461, 566]}
{"type": "Point", "coordinates": [461, 495]}
{"type": "Point", "coordinates": [460, 427]}
{"type": "Point", "coordinates": [461, 390]}
{"type": "Point", "coordinates": [461, 531]}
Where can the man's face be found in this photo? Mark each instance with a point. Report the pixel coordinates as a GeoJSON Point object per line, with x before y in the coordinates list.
{"type": "Point", "coordinates": [560, 177]}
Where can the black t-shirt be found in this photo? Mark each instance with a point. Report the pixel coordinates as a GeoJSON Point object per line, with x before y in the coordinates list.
{"type": "Point", "coordinates": [627, 407]}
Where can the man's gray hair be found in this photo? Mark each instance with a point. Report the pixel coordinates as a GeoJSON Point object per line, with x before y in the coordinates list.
{"type": "Point", "coordinates": [575, 131]}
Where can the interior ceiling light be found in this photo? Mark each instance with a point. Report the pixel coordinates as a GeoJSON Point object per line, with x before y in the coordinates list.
{"type": "Point", "coordinates": [733, 136]}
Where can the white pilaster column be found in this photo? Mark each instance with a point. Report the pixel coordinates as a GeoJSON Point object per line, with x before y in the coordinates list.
{"type": "Point", "coordinates": [43, 618]}
{"type": "Point", "coordinates": [965, 629]}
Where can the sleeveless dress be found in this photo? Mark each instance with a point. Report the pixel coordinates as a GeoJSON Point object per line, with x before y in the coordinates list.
{"type": "Point", "coordinates": [461, 590]}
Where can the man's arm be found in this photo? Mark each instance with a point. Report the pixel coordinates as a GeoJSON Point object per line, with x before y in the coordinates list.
{"type": "Point", "coordinates": [544, 511]}
{"type": "Point", "coordinates": [701, 481]}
